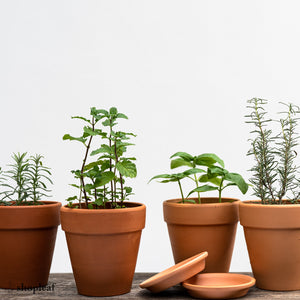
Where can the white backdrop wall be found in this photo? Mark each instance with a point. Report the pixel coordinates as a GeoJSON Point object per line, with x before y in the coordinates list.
{"type": "Point", "coordinates": [181, 70]}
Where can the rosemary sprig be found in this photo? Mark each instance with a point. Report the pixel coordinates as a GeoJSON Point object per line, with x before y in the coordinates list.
{"type": "Point", "coordinates": [274, 172]}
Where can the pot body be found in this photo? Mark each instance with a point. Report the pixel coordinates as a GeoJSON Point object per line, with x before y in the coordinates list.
{"type": "Point", "coordinates": [272, 234]}
{"type": "Point", "coordinates": [103, 246]}
{"type": "Point", "coordinates": [27, 235]}
{"type": "Point", "coordinates": [209, 226]}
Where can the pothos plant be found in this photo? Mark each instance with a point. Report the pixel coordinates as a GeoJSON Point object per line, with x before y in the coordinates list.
{"type": "Point", "coordinates": [213, 177]}
{"type": "Point", "coordinates": [25, 183]}
{"type": "Point", "coordinates": [274, 171]}
{"type": "Point", "coordinates": [101, 181]}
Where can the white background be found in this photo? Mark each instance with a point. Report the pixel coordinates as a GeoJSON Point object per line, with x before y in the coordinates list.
{"type": "Point", "coordinates": [181, 70]}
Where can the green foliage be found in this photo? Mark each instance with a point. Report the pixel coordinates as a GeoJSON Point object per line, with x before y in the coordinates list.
{"type": "Point", "coordinates": [25, 183]}
{"type": "Point", "coordinates": [102, 180]}
{"type": "Point", "coordinates": [215, 177]}
{"type": "Point", "coordinates": [274, 171]}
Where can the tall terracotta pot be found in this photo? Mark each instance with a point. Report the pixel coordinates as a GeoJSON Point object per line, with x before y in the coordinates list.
{"type": "Point", "coordinates": [209, 226]}
{"type": "Point", "coordinates": [27, 239]}
{"type": "Point", "coordinates": [272, 234]}
{"type": "Point", "coordinates": [103, 246]}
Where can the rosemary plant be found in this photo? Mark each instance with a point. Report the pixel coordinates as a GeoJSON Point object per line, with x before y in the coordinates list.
{"type": "Point", "coordinates": [25, 183]}
{"type": "Point", "coordinates": [214, 177]}
{"type": "Point", "coordinates": [102, 181]}
{"type": "Point", "coordinates": [274, 171]}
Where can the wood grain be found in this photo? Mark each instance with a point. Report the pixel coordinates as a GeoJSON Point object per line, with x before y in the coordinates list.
{"type": "Point", "coordinates": [65, 288]}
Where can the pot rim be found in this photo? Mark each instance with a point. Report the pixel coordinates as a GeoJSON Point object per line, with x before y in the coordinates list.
{"type": "Point", "coordinates": [173, 202]}
{"type": "Point", "coordinates": [138, 207]}
{"type": "Point", "coordinates": [258, 204]}
{"type": "Point", "coordinates": [46, 204]}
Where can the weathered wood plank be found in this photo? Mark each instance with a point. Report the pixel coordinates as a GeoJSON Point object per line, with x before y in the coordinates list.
{"type": "Point", "coordinates": [64, 288]}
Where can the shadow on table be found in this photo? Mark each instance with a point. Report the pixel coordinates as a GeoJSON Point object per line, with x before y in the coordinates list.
{"type": "Point", "coordinates": [175, 292]}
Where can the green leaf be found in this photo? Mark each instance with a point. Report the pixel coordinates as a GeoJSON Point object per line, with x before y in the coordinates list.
{"type": "Point", "coordinates": [216, 171]}
{"type": "Point", "coordinates": [179, 162]}
{"type": "Point", "coordinates": [122, 116]}
{"type": "Point", "coordinates": [103, 149]}
{"type": "Point", "coordinates": [126, 168]}
{"type": "Point", "coordinates": [214, 180]}
{"type": "Point", "coordinates": [82, 118]}
{"type": "Point", "coordinates": [161, 176]}
{"type": "Point", "coordinates": [113, 111]}
{"type": "Point", "coordinates": [89, 130]}
{"type": "Point", "coordinates": [92, 165]}
{"type": "Point", "coordinates": [190, 201]}
{"type": "Point", "coordinates": [101, 111]}
{"type": "Point", "coordinates": [238, 180]}
{"type": "Point", "coordinates": [208, 159]}
{"type": "Point", "coordinates": [192, 171]}
{"type": "Point", "coordinates": [203, 188]}
{"type": "Point", "coordinates": [75, 185]}
{"type": "Point", "coordinates": [105, 178]}
{"type": "Point", "coordinates": [183, 155]}
{"type": "Point", "coordinates": [71, 138]}
{"type": "Point", "coordinates": [71, 198]}
{"type": "Point", "coordinates": [106, 122]}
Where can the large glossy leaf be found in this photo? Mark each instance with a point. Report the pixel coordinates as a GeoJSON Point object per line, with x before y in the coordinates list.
{"type": "Point", "coordinates": [208, 159]}
{"type": "Point", "coordinates": [216, 171]}
{"type": "Point", "coordinates": [214, 180]}
{"type": "Point", "coordinates": [238, 180]}
{"type": "Point", "coordinates": [179, 162]}
{"type": "Point", "coordinates": [183, 155]}
{"type": "Point", "coordinates": [193, 171]}
{"type": "Point", "coordinates": [203, 188]}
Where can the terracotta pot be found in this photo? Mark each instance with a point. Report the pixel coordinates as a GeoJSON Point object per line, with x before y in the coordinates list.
{"type": "Point", "coordinates": [272, 234]}
{"type": "Point", "coordinates": [103, 246]}
{"type": "Point", "coordinates": [209, 226]}
{"type": "Point", "coordinates": [27, 235]}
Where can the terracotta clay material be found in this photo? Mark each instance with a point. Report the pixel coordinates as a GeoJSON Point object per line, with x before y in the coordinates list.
{"type": "Point", "coordinates": [219, 285]}
{"type": "Point", "coordinates": [103, 246]}
{"type": "Point", "coordinates": [175, 274]}
{"type": "Point", "coordinates": [195, 228]}
{"type": "Point", "coordinates": [27, 235]}
{"type": "Point", "coordinates": [272, 234]}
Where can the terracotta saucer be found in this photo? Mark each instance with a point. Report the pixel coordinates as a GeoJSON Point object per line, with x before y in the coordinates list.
{"type": "Point", "coordinates": [218, 285]}
{"type": "Point", "coordinates": [176, 274]}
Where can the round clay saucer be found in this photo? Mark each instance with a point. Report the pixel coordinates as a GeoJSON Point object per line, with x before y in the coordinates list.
{"type": "Point", "coordinates": [218, 285]}
{"type": "Point", "coordinates": [176, 274]}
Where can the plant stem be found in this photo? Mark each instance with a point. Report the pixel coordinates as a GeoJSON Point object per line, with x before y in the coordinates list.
{"type": "Point", "coordinates": [220, 190]}
{"type": "Point", "coordinates": [84, 162]}
{"type": "Point", "coordinates": [181, 191]}
{"type": "Point", "coordinates": [110, 162]}
{"type": "Point", "coordinates": [197, 185]}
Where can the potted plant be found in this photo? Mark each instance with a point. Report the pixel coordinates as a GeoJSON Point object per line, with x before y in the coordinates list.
{"type": "Point", "coordinates": [202, 223]}
{"type": "Point", "coordinates": [103, 230]}
{"type": "Point", "coordinates": [272, 224]}
{"type": "Point", "coordinates": [28, 224]}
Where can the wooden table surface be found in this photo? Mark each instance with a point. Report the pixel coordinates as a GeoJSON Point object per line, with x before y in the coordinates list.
{"type": "Point", "coordinates": [62, 286]}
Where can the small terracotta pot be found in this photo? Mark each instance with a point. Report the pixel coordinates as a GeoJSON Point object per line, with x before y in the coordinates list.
{"type": "Point", "coordinates": [27, 235]}
{"type": "Point", "coordinates": [209, 226]}
{"type": "Point", "coordinates": [103, 246]}
{"type": "Point", "coordinates": [272, 234]}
